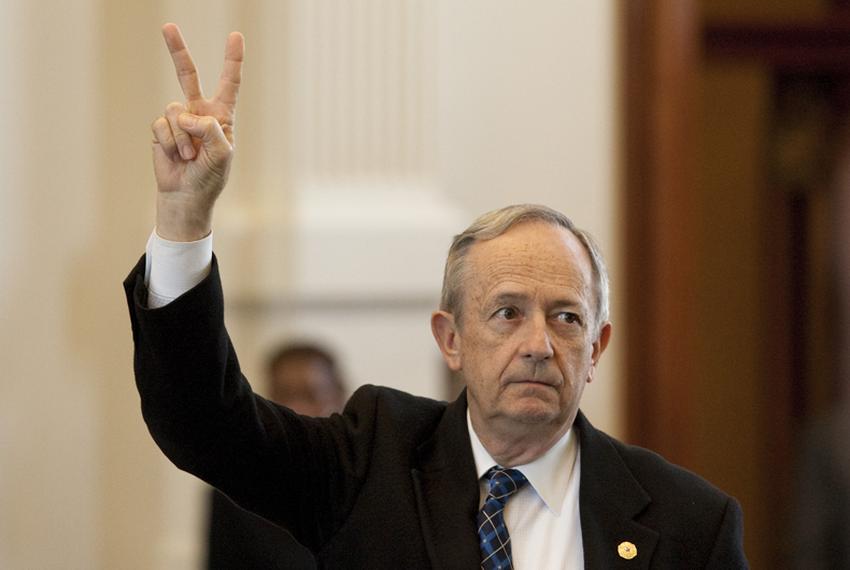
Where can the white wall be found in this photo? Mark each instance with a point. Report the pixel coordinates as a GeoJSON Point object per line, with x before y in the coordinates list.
{"type": "Point", "coordinates": [48, 396]}
{"type": "Point", "coordinates": [528, 113]}
{"type": "Point", "coordinates": [515, 103]}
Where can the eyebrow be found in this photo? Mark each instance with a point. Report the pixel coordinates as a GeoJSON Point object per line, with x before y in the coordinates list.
{"type": "Point", "coordinates": [510, 296]}
{"type": "Point", "coordinates": [507, 297]}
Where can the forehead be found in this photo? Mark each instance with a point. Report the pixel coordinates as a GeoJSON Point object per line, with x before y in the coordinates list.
{"type": "Point", "coordinates": [531, 254]}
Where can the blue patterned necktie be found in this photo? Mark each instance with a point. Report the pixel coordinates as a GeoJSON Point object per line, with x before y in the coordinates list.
{"type": "Point", "coordinates": [492, 533]}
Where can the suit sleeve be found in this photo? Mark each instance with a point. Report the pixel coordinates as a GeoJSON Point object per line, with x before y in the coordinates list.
{"type": "Point", "coordinates": [301, 473]}
{"type": "Point", "coordinates": [728, 551]}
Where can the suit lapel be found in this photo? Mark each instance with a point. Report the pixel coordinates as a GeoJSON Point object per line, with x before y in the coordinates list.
{"type": "Point", "coordinates": [609, 500]}
{"type": "Point", "coordinates": [447, 498]}
{"type": "Point", "coordinates": [447, 492]}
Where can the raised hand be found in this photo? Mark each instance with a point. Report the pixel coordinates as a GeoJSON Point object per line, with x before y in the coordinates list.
{"type": "Point", "coordinates": [194, 142]}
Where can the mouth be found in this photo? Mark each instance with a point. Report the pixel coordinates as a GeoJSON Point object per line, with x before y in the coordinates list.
{"type": "Point", "coordinates": [534, 382]}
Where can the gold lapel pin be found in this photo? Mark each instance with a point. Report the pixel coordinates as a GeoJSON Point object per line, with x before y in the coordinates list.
{"type": "Point", "coordinates": [627, 550]}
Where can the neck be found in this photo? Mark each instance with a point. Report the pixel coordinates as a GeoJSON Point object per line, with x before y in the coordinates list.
{"type": "Point", "coordinates": [510, 444]}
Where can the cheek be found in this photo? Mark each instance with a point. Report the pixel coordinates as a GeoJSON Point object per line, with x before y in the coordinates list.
{"type": "Point", "coordinates": [575, 357]}
{"type": "Point", "coordinates": [479, 349]}
{"type": "Point", "coordinates": [483, 365]}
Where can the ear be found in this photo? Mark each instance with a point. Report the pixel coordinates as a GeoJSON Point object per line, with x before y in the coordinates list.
{"type": "Point", "coordinates": [446, 333]}
{"type": "Point", "coordinates": [599, 347]}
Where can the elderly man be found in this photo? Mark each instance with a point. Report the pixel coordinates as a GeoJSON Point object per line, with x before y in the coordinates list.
{"type": "Point", "coordinates": [510, 475]}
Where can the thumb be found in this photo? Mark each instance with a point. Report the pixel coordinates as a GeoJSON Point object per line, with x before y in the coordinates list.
{"type": "Point", "coordinates": [208, 130]}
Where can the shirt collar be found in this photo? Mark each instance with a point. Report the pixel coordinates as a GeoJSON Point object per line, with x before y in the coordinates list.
{"type": "Point", "coordinates": [548, 475]}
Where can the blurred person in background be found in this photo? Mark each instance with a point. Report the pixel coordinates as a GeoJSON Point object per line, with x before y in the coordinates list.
{"type": "Point", "coordinates": [305, 378]}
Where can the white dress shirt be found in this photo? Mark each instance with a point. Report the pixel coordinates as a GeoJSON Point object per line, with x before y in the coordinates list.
{"type": "Point", "coordinates": [542, 518]}
{"type": "Point", "coordinates": [172, 267]}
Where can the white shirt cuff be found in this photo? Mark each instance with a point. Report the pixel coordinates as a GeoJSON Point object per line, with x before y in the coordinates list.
{"type": "Point", "coordinates": [172, 267]}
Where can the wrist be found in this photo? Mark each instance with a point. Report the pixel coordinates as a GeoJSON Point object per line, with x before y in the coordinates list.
{"type": "Point", "coordinates": [182, 222]}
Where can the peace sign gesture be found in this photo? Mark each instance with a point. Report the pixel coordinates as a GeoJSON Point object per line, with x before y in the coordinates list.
{"type": "Point", "coordinates": [193, 142]}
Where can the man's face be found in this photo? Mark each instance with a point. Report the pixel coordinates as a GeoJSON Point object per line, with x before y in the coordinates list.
{"type": "Point", "coordinates": [305, 384]}
{"type": "Point", "coordinates": [525, 342]}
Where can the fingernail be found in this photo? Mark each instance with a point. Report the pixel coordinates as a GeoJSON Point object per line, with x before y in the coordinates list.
{"type": "Point", "coordinates": [187, 151]}
{"type": "Point", "coordinates": [186, 120]}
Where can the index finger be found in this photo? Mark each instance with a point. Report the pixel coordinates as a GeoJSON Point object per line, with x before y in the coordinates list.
{"type": "Point", "coordinates": [187, 73]}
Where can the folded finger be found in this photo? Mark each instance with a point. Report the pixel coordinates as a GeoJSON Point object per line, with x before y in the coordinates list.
{"type": "Point", "coordinates": [181, 138]}
{"type": "Point", "coordinates": [231, 72]}
{"type": "Point", "coordinates": [187, 73]}
{"type": "Point", "coordinates": [163, 137]}
{"type": "Point", "coordinates": [209, 131]}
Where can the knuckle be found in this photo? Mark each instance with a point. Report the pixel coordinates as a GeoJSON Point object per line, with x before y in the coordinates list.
{"type": "Point", "coordinates": [174, 108]}
{"type": "Point", "coordinates": [159, 124]}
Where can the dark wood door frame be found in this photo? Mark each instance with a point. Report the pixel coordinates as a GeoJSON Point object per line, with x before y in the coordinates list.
{"type": "Point", "coordinates": [665, 47]}
{"type": "Point", "coordinates": [660, 56]}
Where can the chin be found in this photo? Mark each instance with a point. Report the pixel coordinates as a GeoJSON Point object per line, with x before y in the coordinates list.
{"type": "Point", "coordinates": [534, 411]}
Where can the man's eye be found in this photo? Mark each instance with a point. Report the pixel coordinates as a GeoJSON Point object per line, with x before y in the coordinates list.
{"type": "Point", "coordinates": [570, 318]}
{"type": "Point", "coordinates": [507, 313]}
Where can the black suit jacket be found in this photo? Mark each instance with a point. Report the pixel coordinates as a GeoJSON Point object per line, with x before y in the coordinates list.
{"type": "Point", "coordinates": [240, 540]}
{"type": "Point", "coordinates": [391, 482]}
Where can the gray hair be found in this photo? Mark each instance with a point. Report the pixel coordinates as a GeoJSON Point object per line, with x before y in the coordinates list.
{"type": "Point", "coordinates": [492, 225]}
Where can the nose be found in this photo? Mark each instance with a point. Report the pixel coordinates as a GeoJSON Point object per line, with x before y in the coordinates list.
{"type": "Point", "coordinates": [537, 345]}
